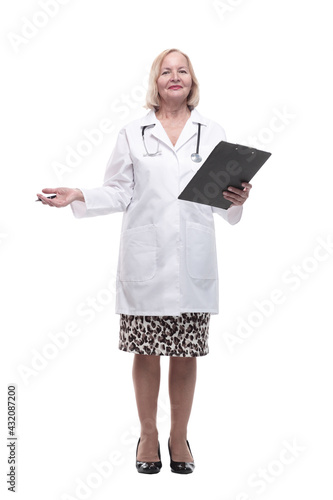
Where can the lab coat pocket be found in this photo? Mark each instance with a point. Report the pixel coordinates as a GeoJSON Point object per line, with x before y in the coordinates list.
{"type": "Point", "coordinates": [201, 255]}
{"type": "Point", "coordinates": [138, 252]}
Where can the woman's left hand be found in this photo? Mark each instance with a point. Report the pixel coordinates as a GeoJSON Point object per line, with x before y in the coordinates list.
{"type": "Point", "coordinates": [237, 196]}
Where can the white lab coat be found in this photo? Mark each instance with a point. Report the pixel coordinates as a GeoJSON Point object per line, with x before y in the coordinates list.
{"type": "Point", "coordinates": [167, 261]}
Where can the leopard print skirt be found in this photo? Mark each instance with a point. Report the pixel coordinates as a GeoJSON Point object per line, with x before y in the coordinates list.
{"type": "Point", "coordinates": [185, 335]}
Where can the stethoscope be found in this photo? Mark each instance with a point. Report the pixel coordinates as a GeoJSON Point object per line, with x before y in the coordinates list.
{"type": "Point", "coordinates": [194, 156]}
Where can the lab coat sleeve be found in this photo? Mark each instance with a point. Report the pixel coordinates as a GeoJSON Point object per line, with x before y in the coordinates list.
{"type": "Point", "coordinates": [116, 192]}
{"type": "Point", "coordinates": [231, 215]}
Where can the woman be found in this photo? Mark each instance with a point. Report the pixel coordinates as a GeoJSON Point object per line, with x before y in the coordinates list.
{"type": "Point", "coordinates": [167, 280]}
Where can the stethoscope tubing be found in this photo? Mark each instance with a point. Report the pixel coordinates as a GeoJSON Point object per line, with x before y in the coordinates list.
{"type": "Point", "coordinates": [195, 156]}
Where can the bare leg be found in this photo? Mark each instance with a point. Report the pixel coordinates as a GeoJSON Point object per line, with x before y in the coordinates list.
{"type": "Point", "coordinates": [182, 379]}
{"type": "Point", "coordinates": [146, 379]}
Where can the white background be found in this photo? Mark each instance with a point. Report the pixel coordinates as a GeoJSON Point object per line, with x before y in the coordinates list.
{"type": "Point", "coordinates": [90, 60]}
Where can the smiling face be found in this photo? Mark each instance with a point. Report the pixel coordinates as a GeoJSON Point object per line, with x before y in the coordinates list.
{"type": "Point", "coordinates": [174, 82]}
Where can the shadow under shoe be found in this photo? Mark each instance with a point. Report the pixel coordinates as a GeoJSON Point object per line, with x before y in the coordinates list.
{"type": "Point", "coordinates": [149, 467]}
{"type": "Point", "coordinates": [181, 467]}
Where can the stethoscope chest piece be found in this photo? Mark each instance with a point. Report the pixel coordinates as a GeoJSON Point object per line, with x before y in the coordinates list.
{"type": "Point", "coordinates": [196, 157]}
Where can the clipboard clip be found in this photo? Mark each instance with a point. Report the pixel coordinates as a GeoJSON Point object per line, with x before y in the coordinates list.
{"type": "Point", "coordinates": [246, 150]}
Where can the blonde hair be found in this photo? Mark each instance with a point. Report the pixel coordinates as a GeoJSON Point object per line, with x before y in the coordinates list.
{"type": "Point", "coordinates": [153, 98]}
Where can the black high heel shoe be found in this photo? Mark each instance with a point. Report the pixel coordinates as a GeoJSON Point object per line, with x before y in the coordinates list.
{"type": "Point", "coordinates": [181, 467]}
{"type": "Point", "coordinates": [149, 467]}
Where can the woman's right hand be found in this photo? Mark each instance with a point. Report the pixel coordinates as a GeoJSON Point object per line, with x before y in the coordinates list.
{"type": "Point", "coordinates": [64, 196]}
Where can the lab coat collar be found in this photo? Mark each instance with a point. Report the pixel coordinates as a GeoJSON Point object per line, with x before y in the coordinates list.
{"type": "Point", "coordinates": [195, 117]}
{"type": "Point", "coordinates": [190, 129]}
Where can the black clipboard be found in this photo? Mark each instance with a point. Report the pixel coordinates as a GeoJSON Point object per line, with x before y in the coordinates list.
{"type": "Point", "coordinates": [227, 165]}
